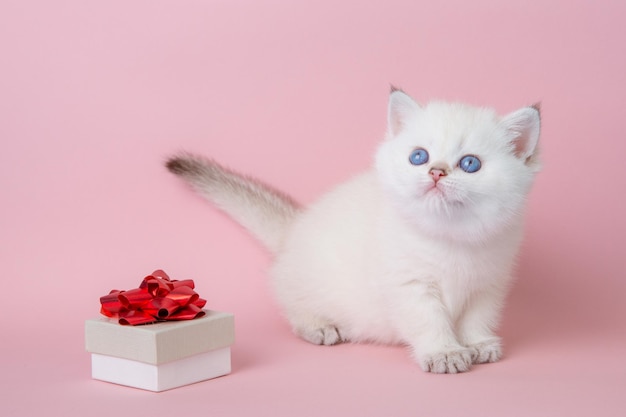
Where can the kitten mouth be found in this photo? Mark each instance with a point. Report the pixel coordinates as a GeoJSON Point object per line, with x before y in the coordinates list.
{"type": "Point", "coordinates": [434, 190]}
{"type": "Point", "coordinates": [435, 193]}
{"type": "Point", "coordinates": [438, 193]}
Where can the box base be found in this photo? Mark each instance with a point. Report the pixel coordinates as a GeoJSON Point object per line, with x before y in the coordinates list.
{"type": "Point", "coordinates": [161, 377]}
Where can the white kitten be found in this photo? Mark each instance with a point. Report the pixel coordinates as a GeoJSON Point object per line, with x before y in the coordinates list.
{"type": "Point", "coordinates": [418, 250]}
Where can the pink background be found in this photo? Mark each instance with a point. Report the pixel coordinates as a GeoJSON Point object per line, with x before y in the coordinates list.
{"type": "Point", "coordinates": [94, 95]}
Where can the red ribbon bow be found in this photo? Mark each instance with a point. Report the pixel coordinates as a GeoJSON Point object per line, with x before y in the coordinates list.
{"type": "Point", "coordinates": [157, 299]}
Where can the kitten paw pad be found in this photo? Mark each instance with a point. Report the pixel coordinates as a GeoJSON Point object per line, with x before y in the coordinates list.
{"type": "Point", "coordinates": [487, 351]}
{"type": "Point", "coordinates": [448, 362]}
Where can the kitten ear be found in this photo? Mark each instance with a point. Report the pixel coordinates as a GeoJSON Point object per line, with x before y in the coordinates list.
{"type": "Point", "coordinates": [400, 107]}
{"type": "Point", "coordinates": [523, 127]}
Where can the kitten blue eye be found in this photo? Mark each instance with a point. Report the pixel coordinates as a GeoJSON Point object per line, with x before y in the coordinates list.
{"type": "Point", "coordinates": [418, 156]}
{"type": "Point", "coordinates": [470, 164]}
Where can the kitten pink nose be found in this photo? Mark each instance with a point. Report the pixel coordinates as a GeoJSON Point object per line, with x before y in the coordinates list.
{"type": "Point", "coordinates": [437, 173]}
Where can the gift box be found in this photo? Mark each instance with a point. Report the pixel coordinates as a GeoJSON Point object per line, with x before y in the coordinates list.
{"type": "Point", "coordinates": [162, 355]}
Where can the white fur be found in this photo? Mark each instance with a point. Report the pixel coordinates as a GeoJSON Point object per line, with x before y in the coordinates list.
{"type": "Point", "coordinates": [384, 258]}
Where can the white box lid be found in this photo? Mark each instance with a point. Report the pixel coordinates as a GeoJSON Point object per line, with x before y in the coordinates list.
{"type": "Point", "coordinates": [160, 342]}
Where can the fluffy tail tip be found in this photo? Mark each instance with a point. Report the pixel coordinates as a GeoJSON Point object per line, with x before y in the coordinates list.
{"type": "Point", "coordinates": [174, 165]}
{"type": "Point", "coordinates": [181, 165]}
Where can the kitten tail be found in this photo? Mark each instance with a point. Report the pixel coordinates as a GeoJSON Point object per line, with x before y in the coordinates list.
{"type": "Point", "coordinates": [266, 212]}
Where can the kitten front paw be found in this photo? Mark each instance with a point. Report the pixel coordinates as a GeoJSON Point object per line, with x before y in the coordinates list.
{"type": "Point", "coordinates": [450, 361]}
{"type": "Point", "coordinates": [323, 335]}
{"type": "Point", "coordinates": [487, 351]}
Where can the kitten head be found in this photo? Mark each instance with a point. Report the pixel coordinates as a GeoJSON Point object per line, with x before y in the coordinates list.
{"type": "Point", "coordinates": [456, 171]}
